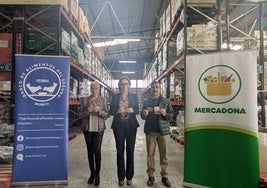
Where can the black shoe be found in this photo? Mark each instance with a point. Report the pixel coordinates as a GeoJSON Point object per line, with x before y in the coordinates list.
{"type": "Point", "coordinates": [150, 181]}
{"type": "Point", "coordinates": [166, 182]}
{"type": "Point", "coordinates": [91, 179]}
{"type": "Point", "coordinates": [97, 180]}
{"type": "Point", "coordinates": [129, 182]}
{"type": "Point", "coordinates": [121, 183]}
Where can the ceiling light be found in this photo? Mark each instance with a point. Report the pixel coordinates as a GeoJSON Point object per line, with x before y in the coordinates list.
{"type": "Point", "coordinates": [128, 72]}
{"type": "Point", "coordinates": [231, 46]}
{"type": "Point", "coordinates": [114, 42]}
{"type": "Point", "coordinates": [128, 40]}
{"type": "Point", "coordinates": [109, 43]}
{"type": "Point", "coordinates": [127, 61]}
{"type": "Point", "coordinates": [236, 47]}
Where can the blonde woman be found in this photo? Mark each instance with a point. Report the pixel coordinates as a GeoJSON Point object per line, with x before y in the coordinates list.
{"type": "Point", "coordinates": [94, 109]}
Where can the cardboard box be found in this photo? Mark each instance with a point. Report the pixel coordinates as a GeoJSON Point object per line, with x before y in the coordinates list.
{"type": "Point", "coordinates": [5, 47]}
{"type": "Point", "coordinates": [263, 151]}
{"type": "Point", "coordinates": [175, 5]}
{"type": "Point", "coordinates": [65, 42]}
{"type": "Point", "coordinates": [74, 9]}
{"type": "Point", "coordinates": [65, 5]}
{"type": "Point", "coordinates": [81, 20]}
{"type": "Point", "coordinates": [5, 85]}
{"type": "Point", "coordinates": [5, 76]}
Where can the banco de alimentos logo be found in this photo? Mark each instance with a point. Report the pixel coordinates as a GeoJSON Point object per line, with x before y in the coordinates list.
{"type": "Point", "coordinates": [219, 84]}
{"type": "Point", "coordinates": [42, 82]}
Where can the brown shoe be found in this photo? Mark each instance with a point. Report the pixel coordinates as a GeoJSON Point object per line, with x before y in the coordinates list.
{"type": "Point", "coordinates": [129, 182]}
{"type": "Point", "coordinates": [121, 183]}
{"type": "Point", "coordinates": [150, 181]}
{"type": "Point", "coordinates": [166, 182]}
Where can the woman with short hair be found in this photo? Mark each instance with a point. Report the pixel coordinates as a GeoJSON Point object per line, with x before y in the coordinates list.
{"type": "Point", "coordinates": [94, 112]}
{"type": "Point", "coordinates": [124, 107]}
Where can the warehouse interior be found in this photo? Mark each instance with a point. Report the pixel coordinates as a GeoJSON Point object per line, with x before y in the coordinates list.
{"type": "Point", "coordinates": [145, 40]}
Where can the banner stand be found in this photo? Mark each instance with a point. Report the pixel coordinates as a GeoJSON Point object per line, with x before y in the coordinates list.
{"type": "Point", "coordinates": [221, 125]}
{"type": "Point", "coordinates": [40, 154]}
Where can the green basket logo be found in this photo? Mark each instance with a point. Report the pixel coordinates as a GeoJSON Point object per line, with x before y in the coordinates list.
{"type": "Point", "coordinates": [219, 84]}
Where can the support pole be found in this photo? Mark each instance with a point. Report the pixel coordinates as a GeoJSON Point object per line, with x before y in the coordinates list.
{"type": "Point", "coordinates": [261, 16]}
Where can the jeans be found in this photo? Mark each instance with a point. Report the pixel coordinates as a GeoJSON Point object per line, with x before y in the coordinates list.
{"type": "Point", "coordinates": [93, 143]}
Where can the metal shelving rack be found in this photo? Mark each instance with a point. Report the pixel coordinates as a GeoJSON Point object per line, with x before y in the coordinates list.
{"type": "Point", "coordinates": [241, 20]}
{"type": "Point", "coordinates": [46, 21]}
{"type": "Point", "coordinates": [228, 24]}
{"type": "Point", "coordinates": [181, 22]}
{"type": "Point", "coordinates": [212, 11]}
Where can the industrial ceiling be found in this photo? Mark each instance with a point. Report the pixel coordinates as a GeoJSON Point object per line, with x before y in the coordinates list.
{"type": "Point", "coordinates": [125, 19]}
{"type": "Point", "coordinates": [140, 19]}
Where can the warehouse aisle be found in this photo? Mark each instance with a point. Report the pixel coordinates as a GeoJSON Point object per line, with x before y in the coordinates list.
{"type": "Point", "coordinates": [79, 170]}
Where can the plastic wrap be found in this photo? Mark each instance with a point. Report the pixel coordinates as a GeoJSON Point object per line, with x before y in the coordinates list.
{"type": "Point", "coordinates": [6, 154]}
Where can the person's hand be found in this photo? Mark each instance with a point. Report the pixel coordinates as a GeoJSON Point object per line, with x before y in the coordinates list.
{"type": "Point", "coordinates": [145, 112]}
{"type": "Point", "coordinates": [90, 109]}
{"type": "Point", "coordinates": [96, 108]}
{"type": "Point", "coordinates": [121, 110]}
{"type": "Point", "coordinates": [129, 110]}
{"type": "Point", "coordinates": [162, 111]}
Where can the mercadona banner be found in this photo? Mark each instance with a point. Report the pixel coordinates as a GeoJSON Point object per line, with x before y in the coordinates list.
{"type": "Point", "coordinates": [221, 127]}
{"type": "Point", "coordinates": [41, 120]}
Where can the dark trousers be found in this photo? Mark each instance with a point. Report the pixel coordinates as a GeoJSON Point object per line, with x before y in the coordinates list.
{"type": "Point", "coordinates": [125, 134]}
{"type": "Point", "coordinates": [93, 143]}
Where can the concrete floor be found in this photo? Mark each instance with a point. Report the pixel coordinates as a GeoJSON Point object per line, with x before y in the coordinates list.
{"type": "Point", "coordinates": [79, 170]}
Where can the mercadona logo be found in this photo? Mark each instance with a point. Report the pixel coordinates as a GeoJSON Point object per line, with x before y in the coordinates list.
{"type": "Point", "coordinates": [219, 84]}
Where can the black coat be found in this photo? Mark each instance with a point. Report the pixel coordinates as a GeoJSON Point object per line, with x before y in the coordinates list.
{"type": "Point", "coordinates": [114, 106]}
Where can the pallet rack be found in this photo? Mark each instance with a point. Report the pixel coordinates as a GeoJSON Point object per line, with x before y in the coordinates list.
{"type": "Point", "coordinates": [226, 24]}
{"type": "Point", "coordinates": [37, 29]}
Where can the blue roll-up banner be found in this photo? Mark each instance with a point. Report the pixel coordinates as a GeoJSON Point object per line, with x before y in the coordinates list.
{"type": "Point", "coordinates": [41, 120]}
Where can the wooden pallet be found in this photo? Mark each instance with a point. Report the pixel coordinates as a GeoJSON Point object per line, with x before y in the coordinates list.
{"type": "Point", "coordinates": [5, 176]}
{"type": "Point", "coordinates": [5, 168]}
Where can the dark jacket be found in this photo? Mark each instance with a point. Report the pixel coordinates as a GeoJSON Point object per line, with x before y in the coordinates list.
{"type": "Point", "coordinates": [114, 106]}
{"type": "Point", "coordinates": [162, 122]}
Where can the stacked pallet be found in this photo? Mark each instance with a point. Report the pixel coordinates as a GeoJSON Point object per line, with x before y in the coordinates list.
{"type": "Point", "coordinates": [202, 36]}
{"type": "Point", "coordinates": [5, 175]}
{"type": "Point", "coordinates": [74, 10]}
